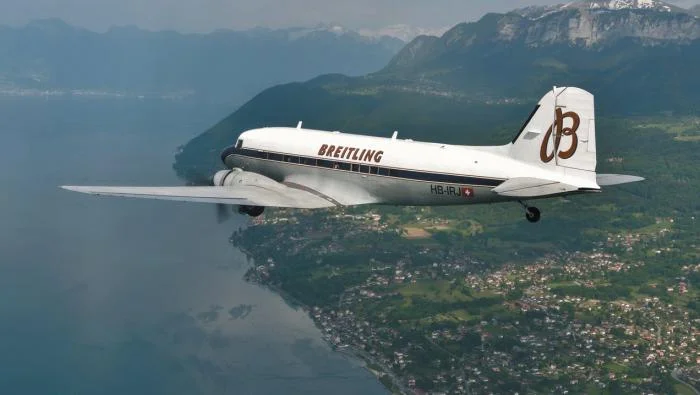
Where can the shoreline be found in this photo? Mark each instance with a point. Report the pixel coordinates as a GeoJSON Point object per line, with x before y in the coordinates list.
{"type": "Point", "coordinates": [251, 276]}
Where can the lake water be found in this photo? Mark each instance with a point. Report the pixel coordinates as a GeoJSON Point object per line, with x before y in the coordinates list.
{"type": "Point", "coordinates": [118, 296]}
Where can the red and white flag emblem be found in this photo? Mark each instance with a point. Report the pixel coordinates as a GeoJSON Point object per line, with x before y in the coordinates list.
{"type": "Point", "coordinates": [467, 192]}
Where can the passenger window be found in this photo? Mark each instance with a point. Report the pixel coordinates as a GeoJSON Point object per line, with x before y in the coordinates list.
{"type": "Point", "coordinates": [373, 170]}
{"type": "Point", "coordinates": [364, 169]}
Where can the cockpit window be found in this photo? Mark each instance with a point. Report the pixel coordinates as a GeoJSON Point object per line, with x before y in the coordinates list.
{"type": "Point", "coordinates": [239, 143]}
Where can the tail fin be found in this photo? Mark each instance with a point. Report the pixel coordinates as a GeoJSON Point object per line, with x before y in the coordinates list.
{"type": "Point", "coordinates": [560, 132]}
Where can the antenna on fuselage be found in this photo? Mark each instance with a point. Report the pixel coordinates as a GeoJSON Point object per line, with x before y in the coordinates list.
{"type": "Point", "coordinates": [395, 135]}
{"type": "Point", "coordinates": [299, 125]}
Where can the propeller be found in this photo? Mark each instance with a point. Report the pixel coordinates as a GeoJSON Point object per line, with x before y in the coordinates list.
{"type": "Point", "coordinates": [200, 180]}
{"type": "Point", "coordinates": [223, 211]}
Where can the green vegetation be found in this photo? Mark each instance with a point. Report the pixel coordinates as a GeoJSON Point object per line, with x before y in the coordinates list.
{"type": "Point", "coordinates": [682, 389]}
{"type": "Point", "coordinates": [454, 298]}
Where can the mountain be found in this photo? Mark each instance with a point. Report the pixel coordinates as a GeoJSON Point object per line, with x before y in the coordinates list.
{"type": "Point", "coordinates": [695, 10]}
{"type": "Point", "coordinates": [639, 59]}
{"type": "Point", "coordinates": [611, 5]}
{"type": "Point", "coordinates": [403, 32]}
{"type": "Point", "coordinates": [616, 52]}
{"type": "Point", "coordinates": [224, 65]}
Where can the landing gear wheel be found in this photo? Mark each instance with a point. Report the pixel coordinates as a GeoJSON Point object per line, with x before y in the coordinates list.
{"type": "Point", "coordinates": [532, 214]}
{"type": "Point", "coordinates": [253, 211]}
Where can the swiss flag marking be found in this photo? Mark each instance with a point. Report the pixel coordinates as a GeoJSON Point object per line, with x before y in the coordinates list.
{"type": "Point", "coordinates": [467, 192]}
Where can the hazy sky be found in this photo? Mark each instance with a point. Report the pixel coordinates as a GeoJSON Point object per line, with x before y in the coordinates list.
{"type": "Point", "coordinates": [207, 15]}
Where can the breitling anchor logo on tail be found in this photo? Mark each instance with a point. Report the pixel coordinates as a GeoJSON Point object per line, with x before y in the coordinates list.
{"type": "Point", "coordinates": [570, 131]}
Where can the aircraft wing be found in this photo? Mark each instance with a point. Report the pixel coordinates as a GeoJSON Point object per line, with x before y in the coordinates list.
{"type": "Point", "coordinates": [523, 187]}
{"type": "Point", "coordinates": [278, 195]}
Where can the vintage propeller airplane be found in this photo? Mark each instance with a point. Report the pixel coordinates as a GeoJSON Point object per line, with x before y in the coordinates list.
{"type": "Point", "coordinates": [553, 154]}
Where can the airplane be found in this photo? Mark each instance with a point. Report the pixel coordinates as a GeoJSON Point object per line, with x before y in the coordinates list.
{"type": "Point", "coordinates": [553, 154]}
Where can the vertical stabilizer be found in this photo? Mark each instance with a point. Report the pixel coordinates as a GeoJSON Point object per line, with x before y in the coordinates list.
{"type": "Point", "coordinates": [560, 132]}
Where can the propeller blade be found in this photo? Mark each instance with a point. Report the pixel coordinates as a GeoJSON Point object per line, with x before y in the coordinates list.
{"type": "Point", "coordinates": [201, 179]}
{"type": "Point", "coordinates": [223, 213]}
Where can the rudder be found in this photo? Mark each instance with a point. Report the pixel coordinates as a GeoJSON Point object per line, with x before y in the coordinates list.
{"type": "Point", "coordinates": [560, 132]}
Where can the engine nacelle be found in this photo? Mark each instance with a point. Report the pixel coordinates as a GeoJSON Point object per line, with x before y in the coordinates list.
{"type": "Point", "coordinates": [235, 177]}
{"type": "Point", "coordinates": [220, 177]}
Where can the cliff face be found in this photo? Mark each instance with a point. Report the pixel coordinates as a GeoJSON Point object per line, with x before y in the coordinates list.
{"type": "Point", "coordinates": [585, 24]}
{"type": "Point", "coordinates": [601, 26]}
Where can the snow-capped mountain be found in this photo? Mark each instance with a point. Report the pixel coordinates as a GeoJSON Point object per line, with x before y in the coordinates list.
{"type": "Point", "coordinates": [582, 24]}
{"type": "Point", "coordinates": [535, 12]}
{"type": "Point", "coordinates": [600, 23]}
{"type": "Point", "coordinates": [630, 4]}
{"type": "Point", "coordinates": [404, 32]}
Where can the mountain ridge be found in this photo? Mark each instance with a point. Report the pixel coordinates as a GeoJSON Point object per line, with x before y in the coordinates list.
{"type": "Point", "coordinates": [224, 65]}
{"type": "Point", "coordinates": [566, 25]}
{"type": "Point", "coordinates": [612, 5]}
{"type": "Point", "coordinates": [508, 55]}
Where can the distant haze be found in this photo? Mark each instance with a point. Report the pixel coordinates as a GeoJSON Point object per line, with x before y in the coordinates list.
{"type": "Point", "coordinates": [208, 15]}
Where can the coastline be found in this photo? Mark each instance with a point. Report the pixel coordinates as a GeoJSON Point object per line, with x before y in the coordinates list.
{"type": "Point", "coordinates": [393, 385]}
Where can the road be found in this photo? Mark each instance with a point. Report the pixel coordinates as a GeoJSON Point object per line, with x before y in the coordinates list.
{"type": "Point", "coordinates": [674, 374]}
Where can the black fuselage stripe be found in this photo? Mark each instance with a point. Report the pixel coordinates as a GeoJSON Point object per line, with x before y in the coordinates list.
{"type": "Point", "coordinates": [364, 168]}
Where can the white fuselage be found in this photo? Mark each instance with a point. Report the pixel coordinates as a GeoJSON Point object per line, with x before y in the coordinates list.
{"type": "Point", "coordinates": [357, 169]}
{"type": "Point", "coordinates": [553, 154]}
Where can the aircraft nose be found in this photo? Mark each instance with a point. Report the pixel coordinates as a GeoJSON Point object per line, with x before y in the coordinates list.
{"type": "Point", "coordinates": [227, 152]}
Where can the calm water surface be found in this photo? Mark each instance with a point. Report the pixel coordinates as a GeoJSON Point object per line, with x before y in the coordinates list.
{"type": "Point", "coordinates": [117, 296]}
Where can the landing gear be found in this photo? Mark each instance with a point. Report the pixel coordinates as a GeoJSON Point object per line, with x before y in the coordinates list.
{"type": "Point", "coordinates": [253, 211]}
{"type": "Point", "coordinates": [532, 214]}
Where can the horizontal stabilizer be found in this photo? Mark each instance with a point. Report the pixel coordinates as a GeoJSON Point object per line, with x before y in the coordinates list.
{"type": "Point", "coordinates": [524, 187]}
{"type": "Point", "coordinates": [244, 195]}
{"type": "Point", "coordinates": [605, 180]}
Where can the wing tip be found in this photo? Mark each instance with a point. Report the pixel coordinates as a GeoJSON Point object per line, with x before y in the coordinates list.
{"type": "Point", "coordinates": [75, 188]}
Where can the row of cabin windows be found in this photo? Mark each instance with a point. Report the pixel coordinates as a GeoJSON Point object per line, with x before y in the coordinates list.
{"type": "Point", "coordinates": [368, 169]}
{"type": "Point", "coordinates": [355, 167]}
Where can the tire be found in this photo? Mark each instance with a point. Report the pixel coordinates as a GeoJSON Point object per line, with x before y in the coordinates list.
{"type": "Point", "coordinates": [533, 214]}
{"type": "Point", "coordinates": [253, 211]}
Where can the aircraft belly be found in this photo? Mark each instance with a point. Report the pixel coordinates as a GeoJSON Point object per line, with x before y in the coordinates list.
{"type": "Point", "coordinates": [354, 188]}
{"type": "Point", "coordinates": [419, 193]}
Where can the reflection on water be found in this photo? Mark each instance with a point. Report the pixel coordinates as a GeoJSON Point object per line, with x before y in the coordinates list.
{"type": "Point", "coordinates": [122, 296]}
{"type": "Point", "coordinates": [240, 311]}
